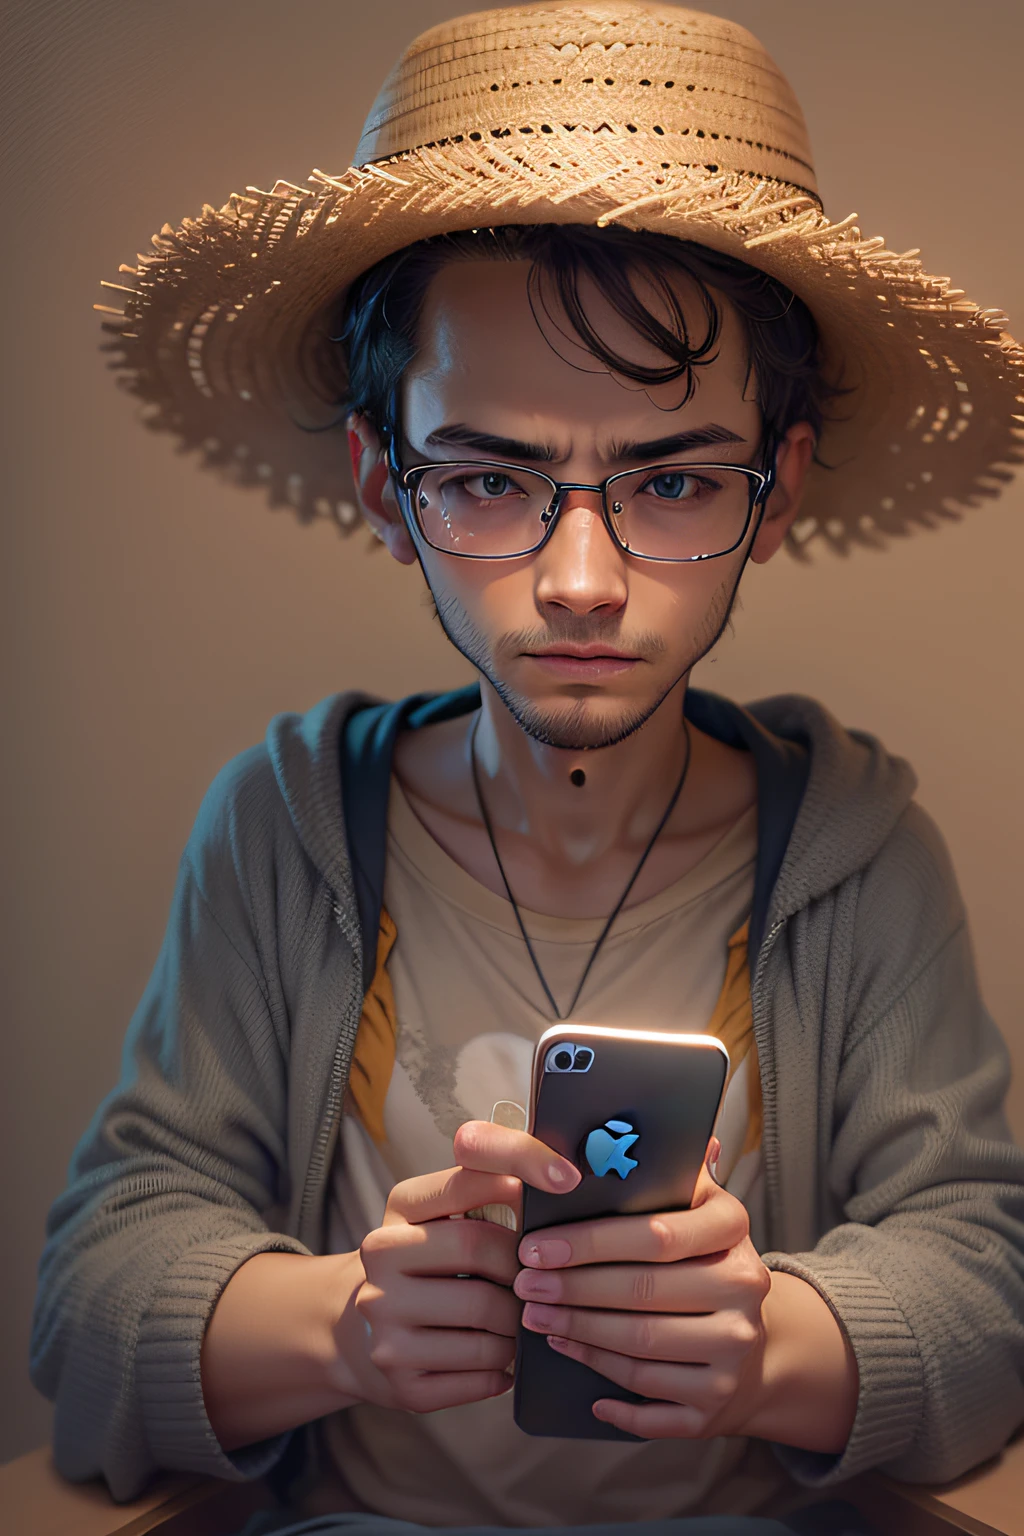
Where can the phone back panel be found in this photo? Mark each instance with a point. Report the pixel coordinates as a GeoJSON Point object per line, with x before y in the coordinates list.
{"type": "Point", "coordinates": [636, 1123]}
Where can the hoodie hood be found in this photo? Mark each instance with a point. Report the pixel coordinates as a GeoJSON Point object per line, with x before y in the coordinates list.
{"type": "Point", "coordinates": [855, 794]}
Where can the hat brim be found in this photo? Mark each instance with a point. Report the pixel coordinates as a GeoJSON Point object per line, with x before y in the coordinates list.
{"type": "Point", "coordinates": [221, 333]}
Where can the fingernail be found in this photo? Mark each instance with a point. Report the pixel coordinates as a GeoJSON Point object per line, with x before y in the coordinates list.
{"type": "Point", "coordinates": [539, 1318]}
{"type": "Point", "coordinates": [564, 1175]}
{"type": "Point", "coordinates": [535, 1287]}
{"type": "Point", "coordinates": [562, 1345]}
{"type": "Point", "coordinates": [547, 1255]}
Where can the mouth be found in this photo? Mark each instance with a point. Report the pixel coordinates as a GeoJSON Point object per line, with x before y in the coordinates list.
{"type": "Point", "coordinates": [597, 650]}
{"type": "Point", "coordinates": [583, 661]}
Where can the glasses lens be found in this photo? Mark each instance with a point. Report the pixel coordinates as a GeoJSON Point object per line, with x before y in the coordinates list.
{"type": "Point", "coordinates": [680, 511]}
{"type": "Point", "coordinates": [478, 509]}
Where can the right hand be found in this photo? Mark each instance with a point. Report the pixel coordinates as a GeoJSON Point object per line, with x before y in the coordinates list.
{"type": "Point", "coordinates": [294, 1337]}
{"type": "Point", "coordinates": [436, 1303]}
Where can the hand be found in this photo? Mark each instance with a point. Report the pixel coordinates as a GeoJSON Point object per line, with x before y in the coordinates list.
{"type": "Point", "coordinates": [436, 1300]}
{"type": "Point", "coordinates": [669, 1306]}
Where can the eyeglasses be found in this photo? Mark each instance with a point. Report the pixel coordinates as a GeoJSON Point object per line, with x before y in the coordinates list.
{"type": "Point", "coordinates": [484, 510]}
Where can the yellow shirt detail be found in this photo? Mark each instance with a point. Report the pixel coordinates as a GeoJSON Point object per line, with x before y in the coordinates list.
{"type": "Point", "coordinates": [733, 1023]}
{"type": "Point", "coordinates": [373, 1059]}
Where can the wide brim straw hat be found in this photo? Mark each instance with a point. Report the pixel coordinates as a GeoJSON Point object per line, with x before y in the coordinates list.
{"type": "Point", "coordinates": [648, 116]}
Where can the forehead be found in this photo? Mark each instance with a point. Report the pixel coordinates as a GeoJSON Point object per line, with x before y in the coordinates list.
{"type": "Point", "coordinates": [491, 344]}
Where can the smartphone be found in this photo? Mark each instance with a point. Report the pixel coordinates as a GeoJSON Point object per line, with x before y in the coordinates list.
{"type": "Point", "coordinates": [634, 1110]}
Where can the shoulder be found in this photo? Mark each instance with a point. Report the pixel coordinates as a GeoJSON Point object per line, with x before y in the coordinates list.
{"type": "Point", "coordinates": [913, 870]}
{"type": "Point", "coordinates": [240, 800]}
{"type": "Point", "coordinates": [899, 948]}
{"type": "Point", "coordinates": [862, 844]}
{"type": "Point", "coordinates": [276, 807]}
{"type": "Point", "coordinates": [853, 796]}
{"type": "Point", "coordinates": [243, 846]}
{"type": "Point", "coordinates": [909, 906]}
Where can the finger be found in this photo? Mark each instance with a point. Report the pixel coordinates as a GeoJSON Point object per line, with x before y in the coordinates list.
{"type": "Point", "coordinates": [442, 1304]}
{"type": "Point", "coordinates": [452, 1192]}
{"type": "Point", "coordinates": [652, 1421]}
{"type": "Point", "coordinates": [430, 1390]}
{"type": "Point", "coordinates": [489, 1148]}
{"type": "Point", "coordinates": [677, 1340]}
{"type": "Point", "coordinates": [692, 1286]}
{"type": "Point", "coordinates": [714, 1152]}
{"type": "Point", "coordinates": [441, 1350]}
{"type": "Point", "coordinates": [480, 1249]}
{"type": "Point", "coordinates": [720, 1223]}
{"type": "Point", "coordinates": [707, 1183]}
{"type": "Point", "coordinates": [696, 1386]}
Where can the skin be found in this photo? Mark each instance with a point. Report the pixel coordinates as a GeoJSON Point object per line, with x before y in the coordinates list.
{"type": "Point", "coordinates": [676, 1306]}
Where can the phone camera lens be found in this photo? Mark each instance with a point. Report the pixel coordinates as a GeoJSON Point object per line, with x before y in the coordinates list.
{"type": "Point", "coordinates": [584, 1059]}
{"type": "Point", "coordinates": [561, 1060]}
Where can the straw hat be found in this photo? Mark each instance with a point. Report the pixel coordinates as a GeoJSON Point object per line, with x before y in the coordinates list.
{"type": "Point", "coordinates": [651, 116]}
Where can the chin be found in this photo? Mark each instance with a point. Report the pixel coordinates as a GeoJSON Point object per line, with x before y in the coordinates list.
{"type": "Point", "coordinates": [576, 725]}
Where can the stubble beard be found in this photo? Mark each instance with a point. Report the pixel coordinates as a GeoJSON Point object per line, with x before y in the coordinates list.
{"type": "Point", "coordinates": [573, 726]}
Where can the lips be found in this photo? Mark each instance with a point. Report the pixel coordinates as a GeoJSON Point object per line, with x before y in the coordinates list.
{"type": "Point", "coordinates": [587, 653]}
{"type": "Point", "coordinates": [589, 664]}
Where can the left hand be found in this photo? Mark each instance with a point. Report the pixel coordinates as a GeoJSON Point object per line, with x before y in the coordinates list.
{"type": "Point", "coordinates": [667, 1305]}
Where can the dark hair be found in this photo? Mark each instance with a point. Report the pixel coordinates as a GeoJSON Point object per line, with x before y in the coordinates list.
{"type": "Point", "coordinates": [378, 326]}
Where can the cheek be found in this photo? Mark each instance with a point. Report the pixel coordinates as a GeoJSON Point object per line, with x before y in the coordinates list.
{"type": "Point", "coordinates": [494, 594]}
{"type": "Point", "coordinates": [680, 602]}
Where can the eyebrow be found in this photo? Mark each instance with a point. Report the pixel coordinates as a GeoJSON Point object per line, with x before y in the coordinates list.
{"type": "Point", "coordinates": [459, 435]}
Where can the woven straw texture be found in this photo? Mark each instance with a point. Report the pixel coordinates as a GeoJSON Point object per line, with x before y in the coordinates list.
{"type": "Point", "coordinates": [651, 116]}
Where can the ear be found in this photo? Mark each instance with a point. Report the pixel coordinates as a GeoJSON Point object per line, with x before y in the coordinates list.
{"type": "Point", "coordinates": [375, 491]}
{"type": "Point", "coordinates": [793, 460]}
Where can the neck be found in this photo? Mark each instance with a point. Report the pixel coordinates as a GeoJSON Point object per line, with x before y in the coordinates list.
{"type": "Point", "coordinates": [530, 792]}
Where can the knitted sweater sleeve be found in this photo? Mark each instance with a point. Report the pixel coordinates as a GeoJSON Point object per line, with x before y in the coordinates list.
{"type": "Point", "coordinates": [172, 1185]}
{"type": "Point", "coordinates": [925, 1271]}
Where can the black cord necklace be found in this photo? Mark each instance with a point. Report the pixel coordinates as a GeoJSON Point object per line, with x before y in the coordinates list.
{"type": "Point", "coordinates": [618, 905]}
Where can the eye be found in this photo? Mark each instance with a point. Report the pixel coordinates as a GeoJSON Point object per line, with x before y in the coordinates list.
{"type": "Point", "coordinates": [673, 486]}
{"type": "Point", "coordinates": [490, 485]}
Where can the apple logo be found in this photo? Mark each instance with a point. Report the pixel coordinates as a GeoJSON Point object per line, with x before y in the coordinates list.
{"type": "Point", "coordinates": [606, 1154]}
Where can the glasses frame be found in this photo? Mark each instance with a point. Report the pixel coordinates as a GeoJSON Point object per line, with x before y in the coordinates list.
{"type": "Point", "coordinates": [761, 482]}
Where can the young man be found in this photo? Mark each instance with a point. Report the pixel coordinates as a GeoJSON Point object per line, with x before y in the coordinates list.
{"type": "Point", "coordinates": [587, 330]}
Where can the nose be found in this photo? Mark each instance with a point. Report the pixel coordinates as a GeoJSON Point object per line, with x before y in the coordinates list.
{"type": "Point", "coordinates": [581, 569]}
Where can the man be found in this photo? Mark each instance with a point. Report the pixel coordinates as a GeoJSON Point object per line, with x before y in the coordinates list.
{"type": "Point", "coordinates": [588, 331]}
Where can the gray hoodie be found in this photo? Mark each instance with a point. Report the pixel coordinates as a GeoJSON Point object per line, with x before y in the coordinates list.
{"type": "Point", "coordinates": [892, 1182]}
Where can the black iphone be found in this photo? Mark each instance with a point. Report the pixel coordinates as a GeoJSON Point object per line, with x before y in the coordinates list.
{"type": "Point", "coordinates": [634, 1110]}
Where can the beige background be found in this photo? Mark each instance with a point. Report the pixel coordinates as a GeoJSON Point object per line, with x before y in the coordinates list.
{"type": "Point", "coordinates": [157, 619]}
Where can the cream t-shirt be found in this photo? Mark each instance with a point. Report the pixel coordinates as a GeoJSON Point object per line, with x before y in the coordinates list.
{"type": "Point", "coordinates": [470, 1009]}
